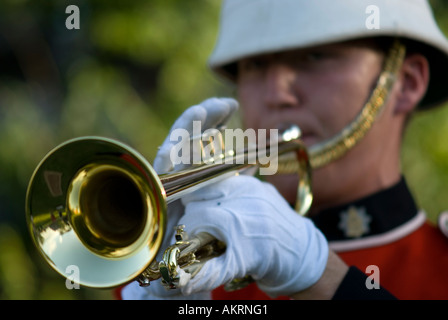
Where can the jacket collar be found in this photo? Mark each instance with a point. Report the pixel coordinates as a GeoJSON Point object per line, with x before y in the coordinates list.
{"type": "Point", "coordinates": [373, 215]}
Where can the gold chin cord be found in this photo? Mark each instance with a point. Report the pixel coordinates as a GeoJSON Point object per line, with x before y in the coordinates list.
{"type": "Point", "coordinates": [330, 150]}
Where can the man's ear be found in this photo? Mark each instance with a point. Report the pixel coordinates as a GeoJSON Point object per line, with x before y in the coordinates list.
{"type": "Point", "coordinates": [414, 80]}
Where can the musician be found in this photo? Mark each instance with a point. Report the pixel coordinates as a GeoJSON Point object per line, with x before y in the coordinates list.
{"type": "Point", "coordinates": [317, 64]}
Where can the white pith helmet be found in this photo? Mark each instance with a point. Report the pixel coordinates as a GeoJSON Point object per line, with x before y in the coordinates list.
{"type": "Point", "coordinates": [253, 27]}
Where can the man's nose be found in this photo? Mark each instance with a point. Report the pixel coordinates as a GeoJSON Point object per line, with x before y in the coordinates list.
{"type": "Point", "coordinates": [279, 91]}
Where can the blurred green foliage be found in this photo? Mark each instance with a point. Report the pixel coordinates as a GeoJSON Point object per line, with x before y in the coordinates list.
{"type": "Point", "coordinates": [425, 150]}
{"type": "Point", "coordinates": [128, 73]}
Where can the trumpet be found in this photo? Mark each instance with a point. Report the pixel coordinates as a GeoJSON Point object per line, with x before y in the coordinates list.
{"type": "Point", "coordinates": [97, 204]}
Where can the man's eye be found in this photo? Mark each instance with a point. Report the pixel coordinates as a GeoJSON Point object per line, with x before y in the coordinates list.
{"type": "Point", "coordinates": [252, 64]}
{"type": "Point", "coordinates": [316, 56]}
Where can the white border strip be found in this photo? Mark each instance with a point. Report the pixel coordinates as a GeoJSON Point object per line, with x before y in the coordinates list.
{"type": "Point", "coordinates": [381, 239]}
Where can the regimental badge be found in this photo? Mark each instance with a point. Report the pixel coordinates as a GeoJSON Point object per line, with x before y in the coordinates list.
{"type": "Point", "coordinates": [443, 223]}
{"type": "Point", "coordinates": [354, 222]}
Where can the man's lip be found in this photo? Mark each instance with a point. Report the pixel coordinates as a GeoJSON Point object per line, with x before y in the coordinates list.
{"type": "Point", "coordinates": [308, 139]}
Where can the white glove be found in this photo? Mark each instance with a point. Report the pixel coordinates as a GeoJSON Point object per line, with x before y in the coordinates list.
{"type": "Point", "coordinates": [211, 113]}
{"type": "Point", "coordinates": [266, 239]}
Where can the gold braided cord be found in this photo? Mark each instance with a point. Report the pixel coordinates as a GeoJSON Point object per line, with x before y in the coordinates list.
{"type": "Point", "coordinates": [327, 151]}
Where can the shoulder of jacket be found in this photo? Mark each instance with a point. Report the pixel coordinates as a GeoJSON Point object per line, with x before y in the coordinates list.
{"type": "Point", "coordinates": [442, 223]}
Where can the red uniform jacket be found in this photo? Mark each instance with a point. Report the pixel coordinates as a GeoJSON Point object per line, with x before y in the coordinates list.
{"type": "Point", "coordinates": [387, 231]}
{"type": "Point", "coordinates": [411, 266]}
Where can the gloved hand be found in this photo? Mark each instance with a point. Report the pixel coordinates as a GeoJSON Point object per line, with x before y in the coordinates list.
{"type": "Point", "coordinates": [283, 251]}
{"type": "Point", "coordinates": [211, 113]}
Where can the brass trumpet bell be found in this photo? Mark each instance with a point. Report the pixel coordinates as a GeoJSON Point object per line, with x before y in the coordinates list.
{"type": "Point", "coordinates": [97, 204]}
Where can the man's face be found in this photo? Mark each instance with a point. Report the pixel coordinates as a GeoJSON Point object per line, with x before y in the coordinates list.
{"type": "Point", "coordinates": [320, 89]}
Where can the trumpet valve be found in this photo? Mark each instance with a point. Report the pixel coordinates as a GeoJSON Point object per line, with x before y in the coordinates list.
{"type": "Point", "coordinates": [181, 235]}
